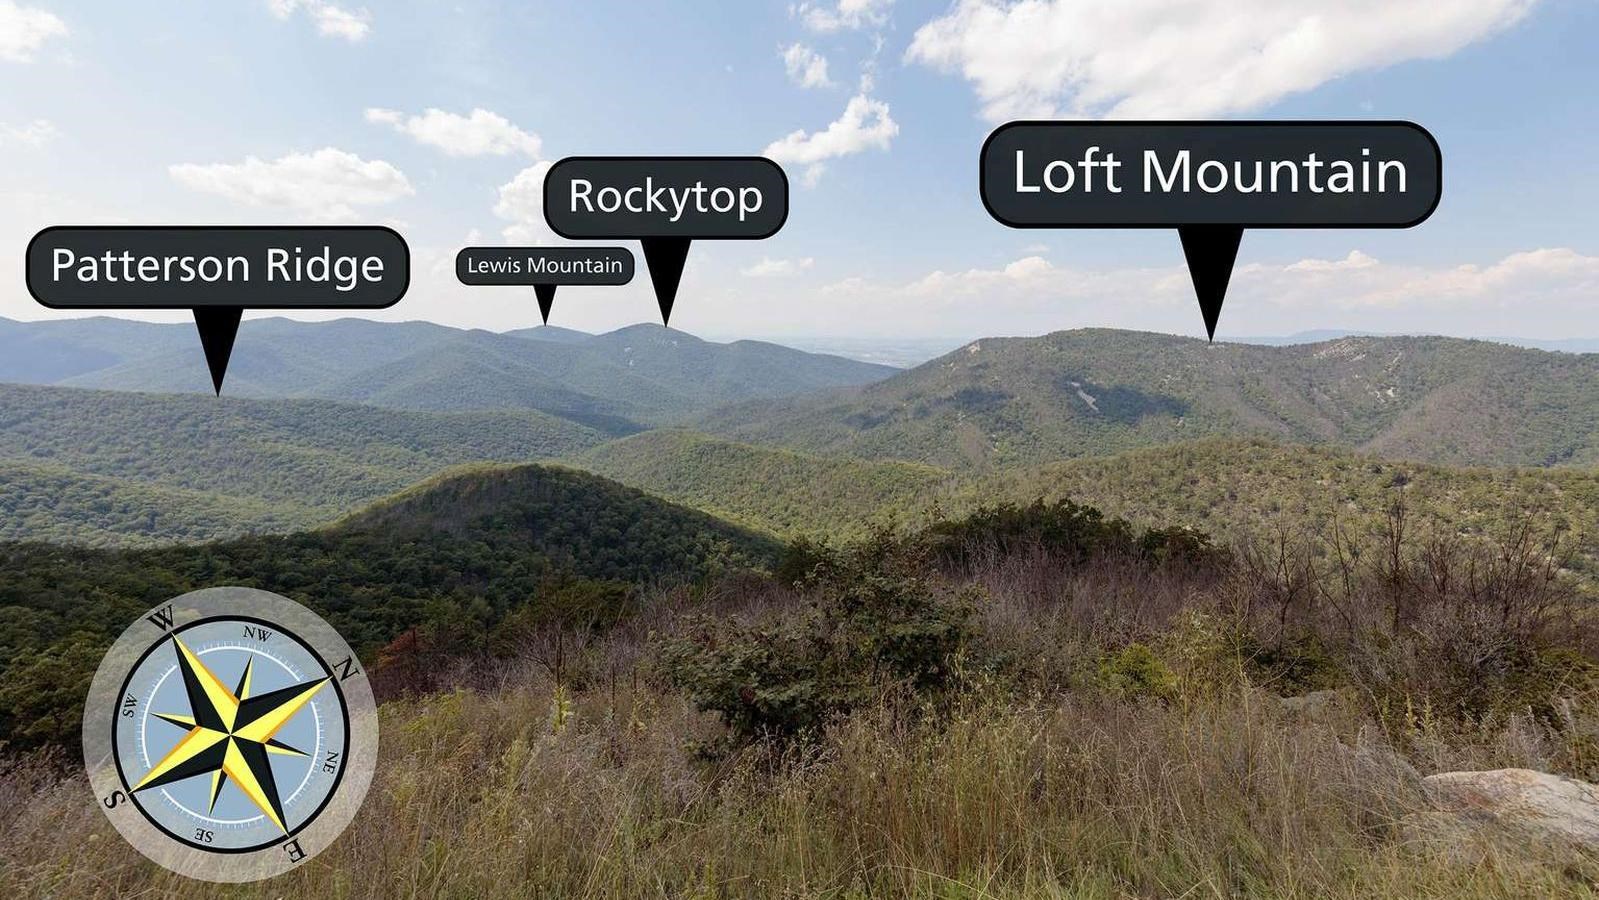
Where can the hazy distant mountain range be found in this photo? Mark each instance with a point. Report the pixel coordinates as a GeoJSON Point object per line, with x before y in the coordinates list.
{"type": "Point", "coordinates": [374, 407]}
{"type": "Point", "coordinates": [1568, 345]}
{"type": "Point", "coordinates": [618, 382]}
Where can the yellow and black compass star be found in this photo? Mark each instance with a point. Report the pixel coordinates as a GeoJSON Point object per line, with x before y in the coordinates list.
{"type": "Point", "coordinates": [231, 734]}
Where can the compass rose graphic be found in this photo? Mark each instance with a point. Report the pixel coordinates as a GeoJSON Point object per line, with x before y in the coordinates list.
{"type": "Point", "coordinates": [230, 734]}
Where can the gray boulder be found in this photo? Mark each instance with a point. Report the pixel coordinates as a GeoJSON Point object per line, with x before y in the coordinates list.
{"type": "Point", "coordinates": [1515, 809]}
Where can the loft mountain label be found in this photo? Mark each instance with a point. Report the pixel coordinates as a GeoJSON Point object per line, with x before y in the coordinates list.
{"type": "Point", "coordinates": [666, 203]}
{"type": "Point", "coordinates": [1210, 181]}
{"type": "Point", "coordinates": [1180, 173]}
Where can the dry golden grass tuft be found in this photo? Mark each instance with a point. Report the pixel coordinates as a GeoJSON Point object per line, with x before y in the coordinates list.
{"type": "Point", "coordinates": [479, 797]}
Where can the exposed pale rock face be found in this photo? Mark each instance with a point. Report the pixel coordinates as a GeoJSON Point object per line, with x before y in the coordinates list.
{"type": "Point", "coordinates": [1536, 805]}
{"type": "Point", "coordinates": [1528, 812]}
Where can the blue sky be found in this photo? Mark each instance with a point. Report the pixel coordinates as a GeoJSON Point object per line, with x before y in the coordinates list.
{"type": "Point", "coordinates": [152, 113]}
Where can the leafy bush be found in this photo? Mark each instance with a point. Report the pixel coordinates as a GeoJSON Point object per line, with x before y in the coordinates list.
{"type": "Point", "coordinates": [800, 558]}
{"type": "Point", "coordinates": [1136, 673]}
{"type": "Point", "coordinates": [1181, 545]}
{"type": "Point", "coordinates": [1295, 664]}
{"type": "Point", "coordinates": [1063, 528]}
{"type": "Point", "coordinates": [872, 619]}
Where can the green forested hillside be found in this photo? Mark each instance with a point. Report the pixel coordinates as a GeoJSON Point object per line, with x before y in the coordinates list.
{"type": "Point", "coordinates": [453, 556]}
{"type": "Point", "coordinates": [781, 491]}
{"type": "Point", "coordinates": [580, 522]}
{"type": "Point", "coordinates": [1232, 488]}
{"type": "Point", "coordinates": [185, 467]}
{"type": "Point", "coordinates": [993, 403]}
{"type": "Point", "coordinates": [1258, 489]}
{"type": "Point", "coordinates": [104, 467]}
{"type": "Point", "coordinates": [1022, 401]}
{"type": "Point", "coordinates": [51, 502]}
{"type": "Point", "coordinates": [731, 372]}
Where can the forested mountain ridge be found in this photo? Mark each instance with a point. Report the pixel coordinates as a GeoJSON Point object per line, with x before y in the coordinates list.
{"type": "Point", "coordinates": [452, 558]}
{"type": "Point", "coordinates": [786, 492]}
{"type": "Point", "coordinates": [44, 501]}
{"type": "Point", "coordinates": [619, 382]}
{"type": "Point", "coordinates": [1232, 488]}
{"type": "Point", "coordinates": [103, 467]}
{"type": "Point", "coordinates": [125, 469]}
{"type": "Point", "coordinates": [1019, 401]}
{"type": "Point", "coordinates": [587, 523]}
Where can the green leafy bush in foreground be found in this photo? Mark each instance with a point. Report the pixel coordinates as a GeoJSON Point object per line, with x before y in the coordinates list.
{"type": "Point", "coordinates": [872, 619]}
{"type": "Point", "coordinates": [1069, 532]}
{"type": "Point", "coordinates": [1135, 672]}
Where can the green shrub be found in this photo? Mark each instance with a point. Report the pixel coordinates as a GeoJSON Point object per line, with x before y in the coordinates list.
{"type": "Point", "coordinates": [1291, 665]}
{"type": "Point", "coordinates": [799, 560]}
{"type": "Point", "coordinates": [1062, 528]}
{"type": "Point", "coordinates": [1545, 680]}
{"type": "Point", "coordinates": [1181, 546]}
{"type": "Point", "coordinates": [872, 620]}
{"type": "Point", "coordinates": [1136, 673]}
{"type": "Point", "coordinates": [1065, 530]}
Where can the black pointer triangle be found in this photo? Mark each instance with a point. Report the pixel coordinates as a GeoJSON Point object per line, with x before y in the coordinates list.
{"type": "Point", "coordinates": [665, 257]}
{"type": "Point", "coordinates": [546, 294]}
{"type": "Point", "coordinates": [1211, 251]}
{"type": "Point", "coordinates": [200, 706]}
{"type": "Point", "coordinates": [256, 759]}
{"type": "Point", "coordinates": [261, 704]}
{"type": "Point", "coordinates": [202, 763]}
{"type": "Point", "coordinates": [218, 325]}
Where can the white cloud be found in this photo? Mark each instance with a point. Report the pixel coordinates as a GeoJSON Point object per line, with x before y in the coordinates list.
{"type": "Point", "coordinates": [479, 133]}
{"type": "Point", "coordinates": [1534, 293]}
{"type": "Point", "coordinates": [868, 79]}
{"type": "Point", "coordinates": [33, 134]}
{"type": "Point", "coordinates": [805, 66]}
{"type": "Point", "coordinates": [778, 268]}
{"type": "Point", "coordinates": [1028, 277]}
{"type": "Point", "coordinates": [521, 200]}
{"type": "Point", "coordinates": [844, 14]}
{"type": "Point", "coordinates": [1545, 278]}
{"type": "Point", "coordinates": [328, 184]}
{"type": "Point", "coordinates": [1358, 280]}
{"type": "Point", "coordinates": [1151, 58]}
{"type": "Point", "coordinates": [1355, 260]}
{"type": "Point", "coordinates": [331, 20]}
{"type": "Point", "coordinates": [485, 133]}
{"type": "Point", "coordinates": [24, 29]}
{"type": "Point", "coordinates": [864, 125]}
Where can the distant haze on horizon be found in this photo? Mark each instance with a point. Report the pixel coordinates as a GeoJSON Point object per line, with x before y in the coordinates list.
{"type": "Point", "coordinates": [900, 352]}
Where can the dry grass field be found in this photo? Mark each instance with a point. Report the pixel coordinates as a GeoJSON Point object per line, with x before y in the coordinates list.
{"type": "Point", "coordinates": [1102, 727]}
